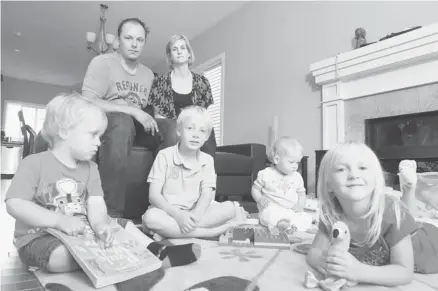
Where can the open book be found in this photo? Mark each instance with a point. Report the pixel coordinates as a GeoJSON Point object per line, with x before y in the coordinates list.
{"type": "Point", "coordinates": [124, 260]}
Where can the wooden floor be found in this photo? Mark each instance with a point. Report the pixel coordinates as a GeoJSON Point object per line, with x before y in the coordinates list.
{"type": "Point", "coordinates": [14, 275]}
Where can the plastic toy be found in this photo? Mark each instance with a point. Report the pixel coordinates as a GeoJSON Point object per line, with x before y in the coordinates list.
{"type": "Point", "coordinates": [340, 239]}
{"type": "Point", "coordinates": [255, 236]}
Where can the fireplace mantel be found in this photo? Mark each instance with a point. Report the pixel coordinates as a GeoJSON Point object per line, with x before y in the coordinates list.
{"type": "Point", "coordinates": [403, 61]}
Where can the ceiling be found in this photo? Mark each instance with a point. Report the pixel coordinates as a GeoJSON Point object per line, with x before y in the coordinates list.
{"type": "Point", "coordinates": [52, 43]}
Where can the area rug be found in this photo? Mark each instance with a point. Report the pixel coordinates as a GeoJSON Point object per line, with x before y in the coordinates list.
{"type": "Point", "coordinates": [234, 268]}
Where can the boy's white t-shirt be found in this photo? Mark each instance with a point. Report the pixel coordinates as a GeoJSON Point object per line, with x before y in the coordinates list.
{"type": "Point", "coordinates": [182, 183]}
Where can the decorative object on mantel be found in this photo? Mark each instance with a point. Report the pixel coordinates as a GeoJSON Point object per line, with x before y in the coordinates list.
{"type": "Point", "coordinates": [106, 42]}
{"type": "Point", "coordinates": [400, 32]}
{"type": "Point", "coordinates": [361, 41]}
{"type": "Point", "coordinates": [360, 36]}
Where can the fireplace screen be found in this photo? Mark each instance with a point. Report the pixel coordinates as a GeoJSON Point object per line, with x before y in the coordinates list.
{"type": "Point", "coordinates": [410, 136]}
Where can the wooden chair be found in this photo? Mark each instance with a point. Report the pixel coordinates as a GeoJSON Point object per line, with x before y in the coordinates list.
{"type": "Point", "coordinates": [28, 136]}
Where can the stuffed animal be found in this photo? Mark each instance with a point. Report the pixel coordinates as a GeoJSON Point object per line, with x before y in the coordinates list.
{"type": "Point", "coordinates": [339, 239]}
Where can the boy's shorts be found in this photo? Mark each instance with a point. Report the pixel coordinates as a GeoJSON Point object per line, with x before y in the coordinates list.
{"type": "Point", "coordinates": [38, 251]}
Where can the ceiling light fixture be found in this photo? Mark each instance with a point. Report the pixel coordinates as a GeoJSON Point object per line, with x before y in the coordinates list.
{"type": "Point", "coordinates": [106, 42]}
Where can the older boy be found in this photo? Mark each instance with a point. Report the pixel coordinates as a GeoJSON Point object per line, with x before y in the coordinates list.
{"type": "Point", "coordinates": [182, 184]}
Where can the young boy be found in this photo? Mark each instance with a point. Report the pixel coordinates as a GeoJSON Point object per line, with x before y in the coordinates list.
{"type": "Point", "coordinates": [60, 188]}
{"type": "Point", "coordinates": [279, 190]}
{"type": "Point", "coordinates": [182, 184]}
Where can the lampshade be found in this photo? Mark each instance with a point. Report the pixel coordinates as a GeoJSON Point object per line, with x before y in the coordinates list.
{"type": "Point", "coordinates": [91, 37]}
{"type": "Point", "coordinates": [110, 38]}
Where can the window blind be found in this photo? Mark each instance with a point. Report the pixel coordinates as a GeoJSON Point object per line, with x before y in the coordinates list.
{"type": "Point", "coordinates": [214, 76]}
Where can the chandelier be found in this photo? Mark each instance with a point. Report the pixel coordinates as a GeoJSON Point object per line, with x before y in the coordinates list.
{"type": "Point", "coordinates": [105, 42]}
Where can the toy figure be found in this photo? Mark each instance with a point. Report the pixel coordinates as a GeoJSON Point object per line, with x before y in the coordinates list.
{"type": "Point", "coordinates": [360, 35]}
{"type": "Point", "coordinates": [340, 239]}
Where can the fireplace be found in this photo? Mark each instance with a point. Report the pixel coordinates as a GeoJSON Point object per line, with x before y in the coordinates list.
{"type": "Point", "coordinates": [381, 84]}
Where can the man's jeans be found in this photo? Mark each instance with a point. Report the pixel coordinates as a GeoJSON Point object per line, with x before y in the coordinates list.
{"type": "Point", "coordinates": [117, 142]}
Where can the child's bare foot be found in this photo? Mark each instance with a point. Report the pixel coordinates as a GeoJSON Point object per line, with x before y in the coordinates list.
{"type": "Point", "coordinates": [407, 173]}
{"type": "Point", "coordinates": [291, 230]}
{"type": "Point", "coordinates": [283, 224]}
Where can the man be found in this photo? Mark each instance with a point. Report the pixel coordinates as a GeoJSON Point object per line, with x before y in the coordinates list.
{"type": "Point", "coordinates": [120, 85]}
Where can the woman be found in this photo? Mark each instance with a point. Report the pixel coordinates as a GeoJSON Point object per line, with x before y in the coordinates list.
{"type": "Point", "coordinates": [177, 89]}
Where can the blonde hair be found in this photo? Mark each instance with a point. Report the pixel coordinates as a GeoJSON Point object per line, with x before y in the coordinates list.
{"type": "Point", "coordinates": [285, 145]}
{"type": "Point", "coordinates": [64, 112]}
{"type": "Point", "coordinates": [169, 45]}
{"type": "Point", "coordinates": [330, 208]}
{"type": "Point", "coordinates": [195, 111]}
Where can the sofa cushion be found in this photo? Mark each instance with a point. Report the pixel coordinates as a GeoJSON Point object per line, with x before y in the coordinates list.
{"type": "Point", "coordinates": [233, 164]}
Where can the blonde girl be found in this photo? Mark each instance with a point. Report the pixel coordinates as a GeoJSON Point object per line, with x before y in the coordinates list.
{"type": "Point", "coordinates": [387, 244]}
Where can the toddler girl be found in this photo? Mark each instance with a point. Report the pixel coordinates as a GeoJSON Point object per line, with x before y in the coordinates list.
{"type": "Point", "coordinates": [279, 190]}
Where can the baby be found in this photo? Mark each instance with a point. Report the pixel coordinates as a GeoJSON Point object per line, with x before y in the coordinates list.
{"type": "Point", "coordinates": [279, 190]}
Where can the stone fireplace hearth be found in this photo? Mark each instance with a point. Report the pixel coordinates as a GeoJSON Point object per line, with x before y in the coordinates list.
{"type": "Point", "coordinates": [392, 77]}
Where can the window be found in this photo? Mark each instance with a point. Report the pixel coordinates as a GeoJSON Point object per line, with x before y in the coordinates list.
{"type": "Point", "coordinates": [213, 70]}
{"type": "Point", "coordinates": [34, 115]}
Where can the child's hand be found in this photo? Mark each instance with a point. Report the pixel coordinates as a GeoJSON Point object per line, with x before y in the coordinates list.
{"type": "Point", "coordinates": [264, 202]}
{"type": "Point", "coordinates": [71, 225]}
{"type": "Point", "coordinates": [186, 221]}
{"type": "Point", "coordinates": [105, 234]}
{"type": "Point", "coordinates": [343, 265]}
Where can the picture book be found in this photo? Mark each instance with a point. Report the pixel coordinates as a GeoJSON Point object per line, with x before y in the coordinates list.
{"type": "Point", "coordinates": [125, 259]}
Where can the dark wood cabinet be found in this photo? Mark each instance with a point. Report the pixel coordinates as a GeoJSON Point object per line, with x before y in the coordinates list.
{"type": "Point", "coordinates": [318, 157]}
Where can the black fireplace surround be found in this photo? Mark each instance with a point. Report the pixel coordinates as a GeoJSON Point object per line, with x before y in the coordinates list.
{"type": "Point", "coordinates": [408, 136]}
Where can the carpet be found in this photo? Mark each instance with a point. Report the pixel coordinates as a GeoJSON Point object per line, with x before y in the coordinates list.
{"type": "Point", "coordinates": [234, 268]}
